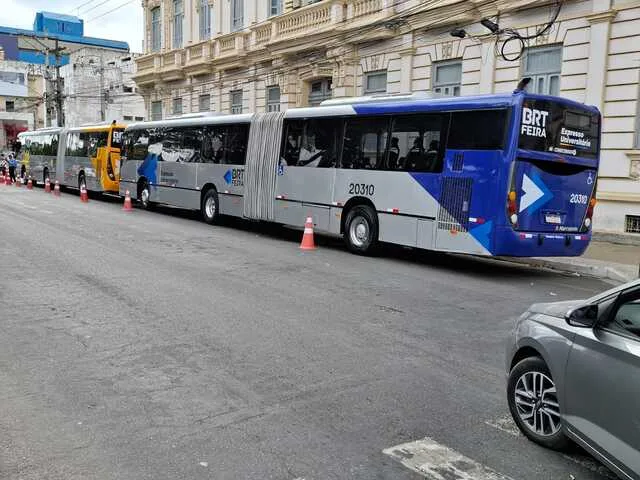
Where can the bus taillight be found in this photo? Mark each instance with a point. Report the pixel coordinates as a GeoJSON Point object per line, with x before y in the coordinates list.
{"type": "Point", "coordinates": [511, 208]}
{"type": "Point", "coordinates": [589, 215]}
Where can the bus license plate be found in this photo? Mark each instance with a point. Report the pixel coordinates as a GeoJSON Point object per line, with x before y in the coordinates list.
{"type": "Point", "coordinates": [555, 219]}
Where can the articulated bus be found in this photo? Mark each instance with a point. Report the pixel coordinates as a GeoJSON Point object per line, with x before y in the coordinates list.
{"type": "Point", "coordinates": [504, 174]}
{"type": "Point", "coordinates": [88, 156]}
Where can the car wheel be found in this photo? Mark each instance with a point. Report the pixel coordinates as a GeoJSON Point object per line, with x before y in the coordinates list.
{"type": "Point", "coordinates": [361, 229]}
{"type": "Point", "coordinates": [534, 405]}
{"type": "Point", "coordinates": [143, 195]}
{"type": "Point", "coordinates": [210, 206]}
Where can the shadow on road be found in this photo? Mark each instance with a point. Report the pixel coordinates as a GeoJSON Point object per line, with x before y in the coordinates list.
{"type": "Point", "coordinates": [467, 264]}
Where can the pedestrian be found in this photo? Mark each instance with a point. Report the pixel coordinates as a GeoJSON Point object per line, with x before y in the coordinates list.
{"type": "Point", "coordinates": [13, 163]}
{"type": "Point", "coordinates": [3, 165]}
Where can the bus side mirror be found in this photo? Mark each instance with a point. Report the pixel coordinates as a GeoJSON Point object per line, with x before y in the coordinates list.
{"type": "Point", "coordinates": [582, 316]}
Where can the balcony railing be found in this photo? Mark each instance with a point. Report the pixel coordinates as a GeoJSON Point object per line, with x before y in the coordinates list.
{"type": "Point", "coordinates": [324, 16]}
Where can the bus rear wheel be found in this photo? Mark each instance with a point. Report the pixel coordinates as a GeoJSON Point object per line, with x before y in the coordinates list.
{"type": "Point", "coordinates": [361, 230]}
{"type": "Point", "coordinates": [210, 206]}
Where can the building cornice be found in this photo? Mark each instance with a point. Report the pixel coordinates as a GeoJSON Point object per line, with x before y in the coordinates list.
{"type": "Point", "coordinates": [601, 17]}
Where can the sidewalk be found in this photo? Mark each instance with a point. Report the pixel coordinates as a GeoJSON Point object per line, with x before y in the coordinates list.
{"type": "Point", "coordinates": [607, 260]}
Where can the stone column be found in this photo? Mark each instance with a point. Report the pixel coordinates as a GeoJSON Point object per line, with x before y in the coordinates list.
{"type": "Point", "coordinates": [488, 65]}
{"type": "Point", "coordinates": [598, 56]}
{"type": "Point", "coordinates": [406, 69]}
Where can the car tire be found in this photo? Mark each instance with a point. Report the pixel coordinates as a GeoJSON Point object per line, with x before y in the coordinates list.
{"type": "Point", "coordinates": [210, 207]}
{"type": "Point", "coordinates": [361, 230]}
{"type": "Point", "coordinates": [534, 404]}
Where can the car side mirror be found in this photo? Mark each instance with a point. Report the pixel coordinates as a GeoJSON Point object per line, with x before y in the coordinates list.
{"type": "Point", "coordinates": [582, 316]}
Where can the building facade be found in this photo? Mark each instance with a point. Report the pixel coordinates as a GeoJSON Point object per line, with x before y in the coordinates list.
{"type": "Point", "coordinates": [99, 87]}
{"type": "Point", "coordinates": [50, 45]}
{"type": "Point", "coordinates": [267, 55]}
{"type": "Point", "coordinates": [21, 90]}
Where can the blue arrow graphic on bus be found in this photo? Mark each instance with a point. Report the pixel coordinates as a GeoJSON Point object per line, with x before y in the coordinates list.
{"type": "Point", "coordinates": [535, 194]}
{"type": "Point", "coordinates": [227, 177]}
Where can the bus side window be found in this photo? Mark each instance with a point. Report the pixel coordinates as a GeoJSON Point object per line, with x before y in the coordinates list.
{"type": "Point", "coordinates": [291, 142]}
{"type": "Point", "coordinates": [319, 146]}
{"type": "Point", "coordinates": [416, 143]}
{"type": "Point", "coordinates": [213, 144]}
{"type": "Point", "coordinates": [191, 145]}
{"type": "Point", "coordinates": [365, 143]}
{"type": "Point", "coordinates": [478, 130]}
{"type": "Point", "coordinates": [236, 144]}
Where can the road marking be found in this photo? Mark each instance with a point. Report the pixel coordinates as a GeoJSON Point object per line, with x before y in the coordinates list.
{"type": "Point", "coordinates": [505, 424]}
{"type": "Point", "coordinates": [438, 462]}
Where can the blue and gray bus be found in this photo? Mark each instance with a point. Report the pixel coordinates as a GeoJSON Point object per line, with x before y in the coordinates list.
{"type": "Point", "coordinates": [503, 174]}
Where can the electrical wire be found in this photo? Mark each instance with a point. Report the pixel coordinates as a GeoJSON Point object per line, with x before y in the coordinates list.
{"type": "Point", "coordinates": [75, 9]}
{"type": "Point", "coordinates": [109, 11]}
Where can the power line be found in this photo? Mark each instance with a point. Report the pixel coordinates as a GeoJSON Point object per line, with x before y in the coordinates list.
{"type": "Point", "coordinates": [96, 6]}
{"type": "Point", "coordinates": [110, 11]}
{"type": "Point", "coordinates": [80, 6]}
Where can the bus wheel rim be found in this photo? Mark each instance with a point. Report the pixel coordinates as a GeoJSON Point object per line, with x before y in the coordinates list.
{"type": "Point", "coordinates": [210, 207]}
{"type": "Point", "coordinates": [144, 196]}
{"type": "Point", "coordinates": [359, 231]}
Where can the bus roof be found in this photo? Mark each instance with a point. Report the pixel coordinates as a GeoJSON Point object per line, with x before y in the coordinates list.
{"type": "Point", "coordinates": [389, 105]}
{"type": "Point", "coordinates": [192, 121]}
{"type": "Point", "coordinates": [369, 106]}
{"type": "Point", "coordinates": [40, 131]}
{"type": "Point", "coordinates": [96, 128]}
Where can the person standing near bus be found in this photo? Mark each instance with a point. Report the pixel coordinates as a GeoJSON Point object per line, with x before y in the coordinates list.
{"type": "Point", "coordinates": [13, 163]}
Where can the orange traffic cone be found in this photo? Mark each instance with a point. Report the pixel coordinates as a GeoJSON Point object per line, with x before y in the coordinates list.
{"type": "Point", "coordinates": [84, 196]}
{"type": "Point", "coordinates": [56, 189]}
{"type": "Point", "coordinates": [127, 202]}
{"type": "Point", "coordinates": [47, 185]}
{"type": "Point", "coordinates": [307, 237]}
{"type": "Point", "coordinates": [30, 184]}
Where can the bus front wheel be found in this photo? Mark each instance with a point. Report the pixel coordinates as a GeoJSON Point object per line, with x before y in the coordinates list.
{"type": "Point", "coordinates": [210, 206]}
{"type": "Point", "coordinates": [361, 229]}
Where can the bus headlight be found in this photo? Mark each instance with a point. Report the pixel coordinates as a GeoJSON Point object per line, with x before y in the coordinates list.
{"type": "Point", "coordinates": [514, 218]}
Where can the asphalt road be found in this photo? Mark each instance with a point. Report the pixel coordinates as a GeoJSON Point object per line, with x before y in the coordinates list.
{"type": "Point", "coordinates": [152, 346]}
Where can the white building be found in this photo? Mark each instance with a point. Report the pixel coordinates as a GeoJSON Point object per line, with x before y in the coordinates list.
{"type": "Point", "coordinates": [255, 55]}
{"type": "Point", "coordinates": [98, 87]}
{"type": "Point", "coordinates": [21, 106]}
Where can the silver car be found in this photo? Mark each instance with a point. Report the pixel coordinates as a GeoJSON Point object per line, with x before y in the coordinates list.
{"type": "Point", "coordinates": [574, 375]}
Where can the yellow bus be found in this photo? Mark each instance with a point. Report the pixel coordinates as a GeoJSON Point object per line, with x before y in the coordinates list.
{"type": "Point", "coordinates": [88, 156]}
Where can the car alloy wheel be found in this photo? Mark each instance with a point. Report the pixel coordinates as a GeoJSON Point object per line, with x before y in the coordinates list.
{"type": "Point", "coordinates": [537, 404]}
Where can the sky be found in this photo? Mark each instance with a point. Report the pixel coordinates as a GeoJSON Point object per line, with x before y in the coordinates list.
{"type": "Point", "coordinates": [124, 23]}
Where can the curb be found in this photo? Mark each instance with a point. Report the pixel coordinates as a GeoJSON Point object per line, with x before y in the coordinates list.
{"type": "Point", "coordinates": [614, 237]}
{"type": "Point", "coordinates": [616, 272]}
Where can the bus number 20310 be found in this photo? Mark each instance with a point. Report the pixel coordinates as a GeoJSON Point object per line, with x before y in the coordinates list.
{"type": "Point", "coordinates": [361, 189]}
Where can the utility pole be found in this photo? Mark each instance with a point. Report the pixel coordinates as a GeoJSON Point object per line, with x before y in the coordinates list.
{"type": "Point", "coordinates": [59, 86]}
{"type": "Point", "coordinates": [103, 92]}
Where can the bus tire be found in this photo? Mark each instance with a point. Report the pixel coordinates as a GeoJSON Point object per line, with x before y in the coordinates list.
{"type": "Point", "coordinates": [361, 230]}
{"type": "Point", "coordinates": [210, 206]}
{"type": "Point", "coordinates": [144, 193]}
{"type": "Point", "coordinates": [45, 175]}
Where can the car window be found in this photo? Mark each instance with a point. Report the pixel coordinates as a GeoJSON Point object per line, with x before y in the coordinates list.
{"type": "Point", "coordinates": [625, 317]}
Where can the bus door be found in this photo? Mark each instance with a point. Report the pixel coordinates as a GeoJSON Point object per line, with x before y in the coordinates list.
{"type": "Point", "coordinates": [178, 167]}
{"type": "Point", "coordinates": [307, 171]}
{"type": "Point", "coordinates": [111, 172]}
